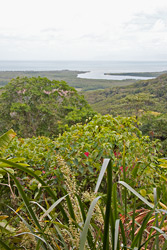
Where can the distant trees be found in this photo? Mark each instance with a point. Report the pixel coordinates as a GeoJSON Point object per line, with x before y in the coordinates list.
{"type": "Point", "coordinates": [154, 125]}
{"type": "Point", "coordinates": [137, 102]}
{"type": "Point", "coordinates": [38, 106]}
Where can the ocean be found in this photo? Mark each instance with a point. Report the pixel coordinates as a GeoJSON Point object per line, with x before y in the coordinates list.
{"type": "Point", "coordinates": [94, 69]}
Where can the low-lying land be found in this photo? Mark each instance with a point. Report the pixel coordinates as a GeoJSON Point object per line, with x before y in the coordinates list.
{"type": "Point", "coordinates": [65, 75]}
{"type": "Point", "coordinates": [142, 74]}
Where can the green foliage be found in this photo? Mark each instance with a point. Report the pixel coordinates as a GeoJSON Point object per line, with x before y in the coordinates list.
{"type": "Point", "coordinates": [128, 100]}
{"type": "Point", "coordinates": [154, 125]}
{"type": "Point", "coordinates": [84, 146]}
{"type": "Point", "coordinates": [40, 155]}
{"type": "Point", "coordinates": [38, 106]}
{"type": "Point", "coordinates": [91, 231]}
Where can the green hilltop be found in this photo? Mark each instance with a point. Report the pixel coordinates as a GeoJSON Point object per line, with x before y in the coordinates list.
{"type": "Point", "coordinates": [129, 100]}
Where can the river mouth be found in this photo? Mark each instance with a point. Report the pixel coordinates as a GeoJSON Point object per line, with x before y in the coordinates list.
{"type": "Point", "coordinates": [101, 75]}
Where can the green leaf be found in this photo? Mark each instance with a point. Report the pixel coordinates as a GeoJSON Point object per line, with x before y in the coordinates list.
{"type": "Point", "coordinates": [52, 207]}
{"type": "Point", "coordinates": [102, 172]}
{"type": "Point", "coordinates": [30, 172]}
{"type": "Point", "coordinates": [161, 232]}
{"type": "Point", "coordinates": [6, 138]}
{"type": "Point", "coordinates": [116, 234]}
{"type": "Point", "coordinates": [38, 172]}
{"type": "Point", "coordinates": [5, 227]}
{"type": "Point", "coordinates": [143, 192]}
{"type": "Point", "coordinates": [108, 208]}
{"type": "Point", "coordinates": [4, 245]}
{"type": "Point", "coordinates": [87, 223]}
{"type": "Point", "coordinates": [135, 169]}
{"type": "Point", "coordinates": [138, 238]}
{"type": "Point", "coordinates": [136, 193]}
{"type": "Point", "coordinates": [36, 236]}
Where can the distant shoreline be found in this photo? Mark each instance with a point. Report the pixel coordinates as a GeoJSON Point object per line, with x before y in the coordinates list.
{"type": "Point", "coordinates": [138, 74]}
{"type": "Point", "coordinates": [69, 76]}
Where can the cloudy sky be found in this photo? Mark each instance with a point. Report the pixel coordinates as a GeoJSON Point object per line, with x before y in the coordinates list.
{"type": "Point", "coordinates": [83, 30]}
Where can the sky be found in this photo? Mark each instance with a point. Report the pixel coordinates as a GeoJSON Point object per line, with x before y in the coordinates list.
{"type": "Point", "coordinates": [83, 30]}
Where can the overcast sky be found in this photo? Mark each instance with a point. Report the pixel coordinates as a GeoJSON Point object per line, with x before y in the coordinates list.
{"type": "Point", "coordinates": [83, 30]}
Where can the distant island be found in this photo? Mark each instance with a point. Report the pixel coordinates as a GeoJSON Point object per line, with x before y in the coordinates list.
{"type": "Point", "coordinates": [141, 74]}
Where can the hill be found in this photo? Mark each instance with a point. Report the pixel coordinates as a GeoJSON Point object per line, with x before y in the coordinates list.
{"type": "Point", "coordinates": [129, 100]}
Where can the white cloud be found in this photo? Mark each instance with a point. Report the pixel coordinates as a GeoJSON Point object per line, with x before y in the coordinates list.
{"type": "Point", "coordinates": [83, 29]}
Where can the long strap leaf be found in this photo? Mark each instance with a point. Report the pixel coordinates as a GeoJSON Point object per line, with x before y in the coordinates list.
{"type": "Point", "coordinates": [52, 207]}
{"type": "Point", "coordinates": [116, 234]}
{"type": "Point", "coordinates": [136, 193]}
{"type": "Point", "coordinates": [108, 207]}
{"type": "Point", "coordinates": [102, 171]}
{"type": "Point", "coordinates": [55, 224]}
{"type": "Point", "coordinates": [87, 223]}
{"type": "Point", "coordinates": [161, 232]}
{"type": "Point", "coordinates": [137, 240]}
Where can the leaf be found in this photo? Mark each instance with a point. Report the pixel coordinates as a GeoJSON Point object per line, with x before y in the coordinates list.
{"type": "Point", "coordinates": [136, 193]}
{"type": "Point", "coordinates": [102, 171]}
{"type": "Point", "coordinates": [87, 223]}
{"type": "Point", "coordinates": [18, 159]}
{"type": "Point", "coordinates": [4, 245]}
{"type": "Point", "coordinates": [135, 169]}
{"type": "Point", "coordinates": [2, 217]}
{"type": "Point", "coordinates": [4, 170]}
{"type": "Point", "coordinates": [116, 234]}
{"type": "Point", "coordinates": [38, 172]}
{"type": "Point", "coordinates": [163, 205]}
{"type": "Point", "coordinates": [30, 172]}
{"type": "Point", "coordinates": [39, 238]}
{"type": "Point", "coordinates": [143, 192]}
{"type": "Point", "coordinates": [6, 227]}
{"type": "Point", "coordinates": [161, 232]}
{"type": "Point", "coordinates": [52, 207]}
{"type": "Point", "coordinates": [6, 138]}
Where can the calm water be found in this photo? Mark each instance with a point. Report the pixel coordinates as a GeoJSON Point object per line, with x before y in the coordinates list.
{"type": "Point", "coordinates": [96, 69]}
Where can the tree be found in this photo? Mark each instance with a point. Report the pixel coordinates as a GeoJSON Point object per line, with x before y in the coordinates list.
{"type": "Point", "coordinates": [38, 106]}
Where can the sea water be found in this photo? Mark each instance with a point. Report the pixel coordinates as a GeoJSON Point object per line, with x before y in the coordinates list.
{"type": "Point", "coordinates": [94, 69]}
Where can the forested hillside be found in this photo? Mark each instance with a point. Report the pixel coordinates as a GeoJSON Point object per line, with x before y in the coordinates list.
{"type": "Point", "coordinates": [130, 100]}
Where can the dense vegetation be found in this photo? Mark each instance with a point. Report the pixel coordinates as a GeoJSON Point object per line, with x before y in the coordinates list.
{"type": "Point", "coordinates": [64, 75]}
{"type": "Point", "coordinates": [142, 74]}
{"type": "Point", "coordinates": [38, 106]}
{"type": "Point", "coordinates": [70, 165]}
{"type": "Point", "coordinates": [99, 184]}
{"type": "Point", "coordinates": [131, 100]}
{"type": "Point", "coordinates": [147, 100]}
